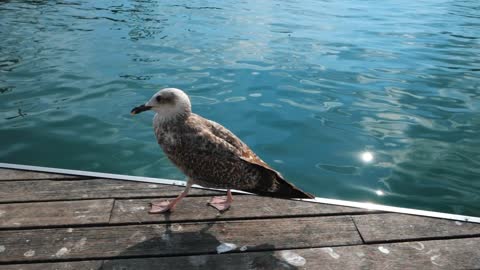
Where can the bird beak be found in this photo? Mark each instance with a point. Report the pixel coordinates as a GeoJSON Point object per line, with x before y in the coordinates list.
{"type": "Point", "coordinates": [140, 109]}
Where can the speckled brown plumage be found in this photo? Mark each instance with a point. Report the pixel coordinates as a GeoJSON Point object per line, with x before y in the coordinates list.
{"type": "Point", "coordinates": [209, 154]}
{"type": "Point", "coordinates": [212, 156]}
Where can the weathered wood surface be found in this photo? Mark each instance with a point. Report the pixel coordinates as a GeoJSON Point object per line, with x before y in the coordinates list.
{"type": "Point", "coordinates": [9, 174]}
{"type": "Point", "coordinates": [19, 215]}
{"type": "Point", "coordinates": [444, 254]}
{"type": "Point", "coordinates": [47, 190]}
{"type": "Point", "coordinates": [449, 254]}
{"type": "Point", "coordinates": [60, 213]}
{"type": "Point", "coordinates": [389, 227]}
{"type": "Point", "coordinates": [243, 207]}
{"type": "Point", "coordinates": [81, 265]}
{"type": "Point", "coordinates": [176, 239]}
{"type": "Point", "coordinates": [67, 223]}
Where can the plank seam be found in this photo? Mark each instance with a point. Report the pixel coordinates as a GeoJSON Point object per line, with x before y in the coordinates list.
{"type": "Point", "coordinates": [102, 262]}
{"type": "Point", "coordinates": [111, 210]}
{"type": "Point", "coordinates": [183, 221]}
{"type": "Point", "coordinates": [426, 238]}
{"type": "Point", "coordinates": [117, 198]}
{"type": "Point", "coordinates": [358, 230]}
{"type": "Point", "coordinates": [49, 179]}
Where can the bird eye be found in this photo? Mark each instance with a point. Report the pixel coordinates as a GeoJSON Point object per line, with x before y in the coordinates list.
{"type": "Point", "coordinates": [158, 98]}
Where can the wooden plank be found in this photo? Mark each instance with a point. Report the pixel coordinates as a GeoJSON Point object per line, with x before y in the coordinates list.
{"type": "Point", "coordinates": [196, 208]}
{"type": "Point", "coordinates": [447, 254]}
{"type": "Point", "coordinates": [19, 215]}
{"type": "Point", "coordinates": [46, 190]}
{"type": "Point", "coordinates": [388, 227]}
{"type": "Point", "coordinates": [81, 265]}
{"type": "Point", "coordinates": [9, 174]}
{"type": "Point", "coordinates": [443, 254]}
{"type": "Point", "coordinates": [175, 239]}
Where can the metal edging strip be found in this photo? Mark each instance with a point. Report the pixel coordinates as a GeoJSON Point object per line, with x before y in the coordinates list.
{"type": "Point", "coordinates": [363, 205]}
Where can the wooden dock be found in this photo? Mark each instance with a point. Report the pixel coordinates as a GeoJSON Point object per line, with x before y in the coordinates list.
{"type": "Point", "coordinates": [52, 221]}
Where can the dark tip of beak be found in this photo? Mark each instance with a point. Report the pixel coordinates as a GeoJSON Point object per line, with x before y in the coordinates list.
{"type": "Point", "coordinates": [140, 109]}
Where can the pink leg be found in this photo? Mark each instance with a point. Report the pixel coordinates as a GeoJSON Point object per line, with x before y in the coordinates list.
{"type": "Point", "coordinates": [222, 203]}
{"type": "Point", "coordinates": [164, 206]}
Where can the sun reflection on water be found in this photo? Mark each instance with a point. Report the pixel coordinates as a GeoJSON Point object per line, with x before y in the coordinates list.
{"type": "Point", "coordinates": [367, 156]}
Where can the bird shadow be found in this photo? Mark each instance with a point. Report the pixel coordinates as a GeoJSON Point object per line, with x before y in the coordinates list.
{"type": "Point", "coordinates": [179, 249]}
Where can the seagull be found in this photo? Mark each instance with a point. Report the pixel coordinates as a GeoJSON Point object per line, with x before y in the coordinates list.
{"type": "Point", "coordinates": [209, 154]}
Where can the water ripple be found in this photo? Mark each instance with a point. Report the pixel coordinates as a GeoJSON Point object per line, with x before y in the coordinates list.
{"type": "Point", "coordinates": [311, 86]}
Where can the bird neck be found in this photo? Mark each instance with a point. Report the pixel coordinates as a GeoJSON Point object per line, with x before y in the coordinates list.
{"type": "Point", "coordinates": [167, 117]}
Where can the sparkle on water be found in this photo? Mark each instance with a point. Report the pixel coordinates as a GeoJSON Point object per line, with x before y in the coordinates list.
{"type": "Point", "coordinates": [367, 156]}
{"type": "Point", "coordinates": [309, 85]}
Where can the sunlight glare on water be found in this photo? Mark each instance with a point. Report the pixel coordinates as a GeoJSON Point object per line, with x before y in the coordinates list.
{"type": "Point", "coordinates": [367, 157]}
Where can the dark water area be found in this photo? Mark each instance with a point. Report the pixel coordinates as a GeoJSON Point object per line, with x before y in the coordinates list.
{"type": "Point", "coordinates": [357, 100]}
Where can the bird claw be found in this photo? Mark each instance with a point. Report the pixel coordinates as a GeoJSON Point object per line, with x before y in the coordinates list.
{"type": "Point", "coordinates": [160, 207]}
{"type": "Point", "coordinates": [220, 203]}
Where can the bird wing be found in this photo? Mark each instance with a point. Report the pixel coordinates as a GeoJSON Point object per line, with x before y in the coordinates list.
{"type": "Point", "coordinates": [245, 152]}
{"type": "Point", "coordinates": [273, 183]}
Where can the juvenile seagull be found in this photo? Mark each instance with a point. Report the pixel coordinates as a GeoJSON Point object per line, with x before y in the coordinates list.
{"type": "Point", "coordinates": [209, 154]}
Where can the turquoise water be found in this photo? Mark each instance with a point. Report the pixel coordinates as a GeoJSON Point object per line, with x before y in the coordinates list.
{"type": "Point", "coordinates": [356, 100]}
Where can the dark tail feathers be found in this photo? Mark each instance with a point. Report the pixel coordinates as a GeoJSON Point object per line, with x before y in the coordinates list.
{"type": "Point", "coordinates": [274, 185]}
{"type": "Point", "coordinates": [286, 190]}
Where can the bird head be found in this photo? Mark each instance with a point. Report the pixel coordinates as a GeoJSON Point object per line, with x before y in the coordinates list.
{"type": "Point", "coordinates": [168, 103]}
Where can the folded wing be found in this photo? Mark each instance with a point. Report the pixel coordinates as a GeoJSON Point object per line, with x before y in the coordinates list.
{"type": "Point", "coordinates": [271, 183]}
